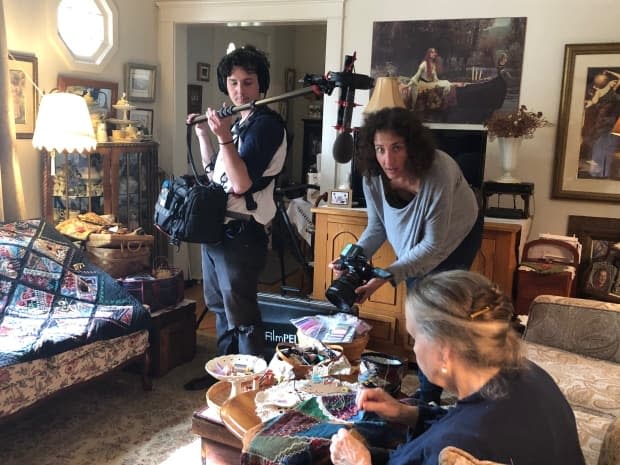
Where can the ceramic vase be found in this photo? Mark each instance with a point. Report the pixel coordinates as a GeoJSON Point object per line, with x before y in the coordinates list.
{"type": "Point", "coordinates": [509, 153]}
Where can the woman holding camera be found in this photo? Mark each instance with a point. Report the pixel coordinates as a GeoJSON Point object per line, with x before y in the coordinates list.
{"type": "Point", "coordinates": [508, 410]}
{"type": "Point", "coordinates": [417, 199]}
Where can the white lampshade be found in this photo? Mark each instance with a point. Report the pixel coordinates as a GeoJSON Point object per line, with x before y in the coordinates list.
{"type": "Point", "coordinates": [385, 95]}
{"type": "Point", "coordinates": [64, 124]}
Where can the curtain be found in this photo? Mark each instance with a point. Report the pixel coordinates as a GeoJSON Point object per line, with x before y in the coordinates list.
{"type": "Point", "coordinates": [12, 204]}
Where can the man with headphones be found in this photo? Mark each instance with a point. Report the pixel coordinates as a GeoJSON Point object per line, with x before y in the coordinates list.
{"type": "Point", "coordinates": [251, 152]}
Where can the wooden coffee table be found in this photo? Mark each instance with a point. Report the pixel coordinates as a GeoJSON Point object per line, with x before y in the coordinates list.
{"type": "Point", "coordinates": [221, 432]}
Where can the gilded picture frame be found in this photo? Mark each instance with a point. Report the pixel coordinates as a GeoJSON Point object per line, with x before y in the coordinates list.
{"type": "Point", "coordinates": [587, 153]}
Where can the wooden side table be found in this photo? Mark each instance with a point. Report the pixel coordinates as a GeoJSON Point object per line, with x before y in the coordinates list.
{"type": "Point", "coordinates": [172, 336]}
{"type": "Point", "coordinates": [217, 443]}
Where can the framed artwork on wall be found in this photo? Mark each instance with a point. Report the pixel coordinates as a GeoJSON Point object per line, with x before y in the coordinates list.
{"type": "Point", "coordinates": [587, 161]}
{"type": "Point", "coordinates": [140, 82]}
{"type": "Point", "coordinates": [105, 94]}
{"type": "Point", "coordinates": [23, 69]}
{"type": "Point", "coordinates": [203, 72]}
{"type": "Point", "coordinates": [455, 71]}
{"type": "Point", "coordinates": [194, 98]}
{"type": "Point", "coordinates": [145, 118]}
{"type": "Point", "coordinates": [289, 80]}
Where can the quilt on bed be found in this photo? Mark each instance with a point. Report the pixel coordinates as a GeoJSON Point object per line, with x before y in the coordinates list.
{"type": "Point", "coordinates": [52, 299]}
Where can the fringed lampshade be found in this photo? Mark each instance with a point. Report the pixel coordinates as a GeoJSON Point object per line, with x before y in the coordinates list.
{"type": "Point", "coordinates": [63, 125]}
{"type": "Point", "coordinates": [385, 95]}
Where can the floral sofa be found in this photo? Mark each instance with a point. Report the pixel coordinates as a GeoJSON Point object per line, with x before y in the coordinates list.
{"type": "Point", "coordinates": [578, 342]}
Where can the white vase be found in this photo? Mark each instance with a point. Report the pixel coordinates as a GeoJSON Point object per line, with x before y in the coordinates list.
{"type": "Point", "coordinates": [509, 153]}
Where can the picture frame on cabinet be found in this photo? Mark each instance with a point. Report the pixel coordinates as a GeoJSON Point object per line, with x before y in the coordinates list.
{"type": "Point", "coordinates": [203, 72]}
{"type": "Point", "coordinates": [586, 162]}
{"type": "Point", "coordinates": [140, 82]}
{"type": "Point", "coordinates": [23, 79]}
{"type": "Point", "coordinates": [598, 237]}
{"type": "Point", "coordinates": [341, 198]}
{"type": "Point", "coordinates": [104, 93]}
{"type": "Point", "coordinates": [145, 118]}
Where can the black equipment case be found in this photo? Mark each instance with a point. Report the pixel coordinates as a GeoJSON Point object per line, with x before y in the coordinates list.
{"type": "Point", "coordinates": [277, 312]}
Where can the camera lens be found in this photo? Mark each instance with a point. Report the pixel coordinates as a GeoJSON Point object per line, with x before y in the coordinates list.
{"type": "Point", "coordinates": [341, 293]}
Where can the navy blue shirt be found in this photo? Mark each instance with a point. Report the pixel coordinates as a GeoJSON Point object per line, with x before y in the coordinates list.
{"type": "Point", "coordinates": [530, 424]}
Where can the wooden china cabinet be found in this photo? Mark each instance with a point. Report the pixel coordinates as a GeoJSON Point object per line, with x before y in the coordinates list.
{"type": "Point", "coordinates": [118, 178]}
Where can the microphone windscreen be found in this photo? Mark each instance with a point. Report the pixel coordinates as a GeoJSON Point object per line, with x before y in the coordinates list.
{"type": "Point", "coordinates": [343, 147]}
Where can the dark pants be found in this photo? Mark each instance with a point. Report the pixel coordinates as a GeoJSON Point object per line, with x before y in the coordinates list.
{"type": "Point", "coordinates": [230, 271]}
{"type": "Point", "coordinates": [461, 259]}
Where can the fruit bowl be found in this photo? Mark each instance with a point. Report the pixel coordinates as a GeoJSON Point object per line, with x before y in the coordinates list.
{"type": "Point", "coordinates": [237, 369]}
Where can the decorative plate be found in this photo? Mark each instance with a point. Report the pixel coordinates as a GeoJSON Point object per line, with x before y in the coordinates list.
{"type": "Point", "coordinates": [236, 367]}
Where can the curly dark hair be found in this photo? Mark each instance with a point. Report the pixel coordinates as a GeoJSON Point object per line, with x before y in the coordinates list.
{"type": "Point", "coordinates": [249, 58]}
{"type": "Point", "coordinates": [418, 140]}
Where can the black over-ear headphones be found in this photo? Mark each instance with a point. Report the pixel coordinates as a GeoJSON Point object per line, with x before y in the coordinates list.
{"type": "Point", "coordinates": [249, 58]}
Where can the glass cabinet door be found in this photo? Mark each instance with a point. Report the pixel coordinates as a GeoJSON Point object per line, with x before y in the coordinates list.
{"type": "Point", "coordinates": [77, 186]}
{"type": "Point", "coordinates": [135, 196]}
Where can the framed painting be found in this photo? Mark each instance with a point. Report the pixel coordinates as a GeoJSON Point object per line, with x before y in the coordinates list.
{"type": "Point", "coordinates": [599, 238]}
{"type": "Point", "coordinates": [453, 71]}
{"type": "Point", "coordinates": [194, 98]}
{"type": "Point", "coordinates": [289, 80]}
{"type": "Point", "coordinates": [140, 82]}
{"type": "Point", "coordinates": [105, 94]}
{"type": "Point", "coordinates": [587, 148]}
{"type": "Point", "coordinates": [23, 68]}
{"type": "Point", "coordinates": [144, 116]}
{"type": "Point", "coordinates": [203, 72]}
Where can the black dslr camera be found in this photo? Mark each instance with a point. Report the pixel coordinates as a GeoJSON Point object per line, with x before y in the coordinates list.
{"type": "Point", "coordinates": [357, 271]}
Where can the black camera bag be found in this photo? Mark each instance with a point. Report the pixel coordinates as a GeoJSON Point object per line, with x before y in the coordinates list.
{"type": "Point", "coordinates": [191, 209]}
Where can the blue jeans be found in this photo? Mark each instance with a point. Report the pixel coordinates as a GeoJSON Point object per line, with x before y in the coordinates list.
{"type": "Point", "coordinates": [230, 272]}
{"type": "Point", "coordinates": [461, 259]}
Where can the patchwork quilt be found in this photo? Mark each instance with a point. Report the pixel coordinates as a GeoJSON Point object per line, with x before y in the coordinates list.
{"type": "Point", "coordinates": [52, 299]}
{"type": "Point", "coordinates": [303, 434]}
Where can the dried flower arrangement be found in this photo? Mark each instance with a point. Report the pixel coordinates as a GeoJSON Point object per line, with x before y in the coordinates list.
{"type": "Point", "coordinates": [518, 123]}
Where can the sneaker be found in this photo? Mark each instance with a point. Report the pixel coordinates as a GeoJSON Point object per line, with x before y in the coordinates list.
{"type": "Point", "coordinates": [197, 384]}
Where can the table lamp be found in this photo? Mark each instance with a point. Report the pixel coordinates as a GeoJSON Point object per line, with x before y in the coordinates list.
{"type": "Point", "coordinates": [63, 125]}
{"type": "Point", "coordinates": [386, 94]}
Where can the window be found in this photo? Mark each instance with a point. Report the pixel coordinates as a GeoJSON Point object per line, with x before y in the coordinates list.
{"type": "Point", "coordinates": [87, 29]}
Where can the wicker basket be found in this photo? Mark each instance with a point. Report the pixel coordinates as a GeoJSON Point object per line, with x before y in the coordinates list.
{"type": "Point", "coordinates": [300, 369]}
{"type": "Point", "coordinates": [122, 262]}
{"type": "Point", "coordinates": [119, 241]}
{"type": "Point", "coordinates": [352, 350]}
{"type": "Point", "coordinates": [157, 292]}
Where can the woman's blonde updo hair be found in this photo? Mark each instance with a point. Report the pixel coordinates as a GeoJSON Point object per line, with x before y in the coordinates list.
{"type": "Point", "coordinates": [467, 311]}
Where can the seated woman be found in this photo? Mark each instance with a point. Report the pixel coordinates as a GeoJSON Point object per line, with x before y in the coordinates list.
{"type": "Point", "coordinates": [509, 410]}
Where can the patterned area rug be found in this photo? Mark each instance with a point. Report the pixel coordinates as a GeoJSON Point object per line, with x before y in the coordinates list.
{"type": "Point", "coordinates": [113, 422]}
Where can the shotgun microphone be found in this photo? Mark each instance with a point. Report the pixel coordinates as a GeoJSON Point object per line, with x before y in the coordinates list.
{"type": "Point", "coordinates": [343, 145]}
{"type": "Point", "coordinates": [348, 81]}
